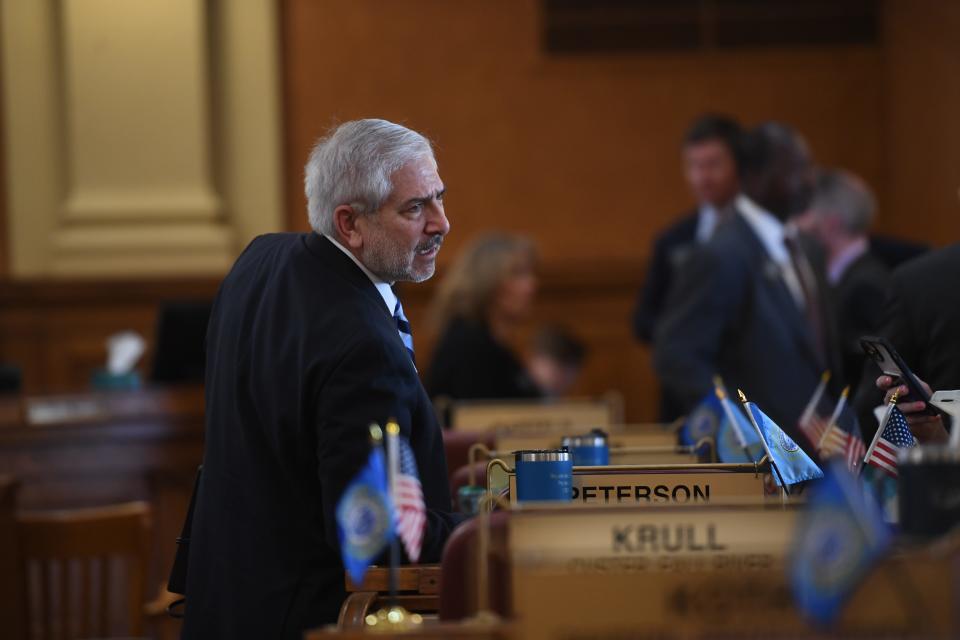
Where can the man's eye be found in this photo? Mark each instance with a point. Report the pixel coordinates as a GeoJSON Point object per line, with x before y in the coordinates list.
{"type": "Point", "coordinates": [440, 197]}
{"type": "Point", "coordinates": [417, 208]}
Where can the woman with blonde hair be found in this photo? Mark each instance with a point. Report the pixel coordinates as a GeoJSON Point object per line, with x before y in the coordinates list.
{"type": "Point", "coordinates": [488, 291]}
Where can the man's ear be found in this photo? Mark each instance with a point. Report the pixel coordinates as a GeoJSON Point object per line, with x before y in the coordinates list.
{"type": "Point", "coordinates": [348, 231]}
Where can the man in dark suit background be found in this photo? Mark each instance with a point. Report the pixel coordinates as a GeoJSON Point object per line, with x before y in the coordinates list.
{"type": "Point", "coordinates": [710, 169]}
{"type": "Point", "coordinates": [921, 319]}
{"type": "Point", "coordinates": [839, 218]}
{"type": "Point", "coordinates": [748, 305]}
{"type": "Point", "coordinates": [307, 346]}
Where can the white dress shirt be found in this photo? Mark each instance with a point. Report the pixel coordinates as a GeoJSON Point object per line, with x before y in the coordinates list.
{"type": "Point", "coordinates": [773, 235]}
{"type": "Point", "coordinates": [849, 255]}
{"type": "Point", "coordinates": [707, 220]}
{"type": "Point", "coordinates": [385, 288]}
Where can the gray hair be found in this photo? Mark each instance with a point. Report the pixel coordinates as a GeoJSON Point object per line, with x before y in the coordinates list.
{"type": "Point", "coordinates": [846, 197]}
{"type": "Point", "coordinates": [352, 165]}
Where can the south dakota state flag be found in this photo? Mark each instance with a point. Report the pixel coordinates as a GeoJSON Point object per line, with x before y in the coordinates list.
{"type": "Point", "coordinates": [794, 464]}
{"type": "Point", "coordinates": [364, 517]}
{"type": "Point", "coordinates": [702, 422]}
{"type": "Point", "coordinates": [737, 441]}
{"type": "Point", "coordinates": [837, 540]}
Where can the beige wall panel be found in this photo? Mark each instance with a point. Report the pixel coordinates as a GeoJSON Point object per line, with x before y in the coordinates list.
{"type": "Point", "coordinates": [31, 131]}
{"type": "Point", "coordinates": [146, 134]}
{"type": "Point", "coordinates": [137, 109]}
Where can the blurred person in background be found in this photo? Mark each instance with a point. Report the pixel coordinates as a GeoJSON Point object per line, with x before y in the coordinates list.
{"type": "Point", "coordinates": [748, 305]}
{"type": "Point", "coordinates": [710, 168]}
{"type": "Point", "coordinates": [485, 296]}
{"type": "Point", "coordinates": [840, 217]}
{"type": "Point", "coordinates": [921, 319]}
{"type": "Point", "coordinates": [556, 359]}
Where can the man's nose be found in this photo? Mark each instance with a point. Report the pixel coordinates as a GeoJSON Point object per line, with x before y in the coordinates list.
{"type": "Point", "coordinates": [438, 222]}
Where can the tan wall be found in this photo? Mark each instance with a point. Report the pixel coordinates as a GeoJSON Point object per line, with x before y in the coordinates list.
{"type": "Point", "coordinates": [581, 152]}
{"type": "Point", "coordinates": [921, 126]}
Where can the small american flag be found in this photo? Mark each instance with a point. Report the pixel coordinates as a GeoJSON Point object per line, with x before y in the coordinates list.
{"type": "Point", "coordinates": [813, 428]}
{"type": "Point", "coordinates": [896, 435]}
{"type": "Point", "coordinates": [855, 451]}
{"type": "Point", "coordinates": [409, 509]}
{"type": "Point", "coordinates": [834, 442]}
{"type": "Point", "coordinates": [838, 442]}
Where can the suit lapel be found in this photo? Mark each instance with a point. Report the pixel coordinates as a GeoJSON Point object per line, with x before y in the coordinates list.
{"type": "Point", "coordinates": [770, 278]}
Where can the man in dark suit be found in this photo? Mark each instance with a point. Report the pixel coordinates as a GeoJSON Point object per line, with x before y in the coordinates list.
{"type": "Point", "coordinates": [307, 346]}
{"type": "Point", "coordinates": [921, 319]}
{"type": "Point", "coordinates": [748, 304]}
{"type": "Point", "coordinates": [709, 161]}
{"type": "Point", "coordinates": [839, 218]}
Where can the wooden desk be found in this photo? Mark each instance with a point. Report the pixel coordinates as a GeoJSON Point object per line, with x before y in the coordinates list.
{"type": "Point", "coordinates": [706, 572]}
{"type": "Point", "coordinates": [418, 590]}
{"type": "Point", "coordinates": [442, 631]}
{"type": "Point", "coordinates": [90, 449]}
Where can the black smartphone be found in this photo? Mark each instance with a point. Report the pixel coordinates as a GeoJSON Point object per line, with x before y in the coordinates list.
{"type": "Point", "coordinates": [891, 364]}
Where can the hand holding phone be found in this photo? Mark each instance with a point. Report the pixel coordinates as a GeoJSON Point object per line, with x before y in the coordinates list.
{"type": "Point", "coordinates": [891, 364]}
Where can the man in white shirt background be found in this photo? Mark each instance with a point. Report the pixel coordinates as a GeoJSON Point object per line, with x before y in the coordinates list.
{"type": "Point", "coordinates": [750, 303]}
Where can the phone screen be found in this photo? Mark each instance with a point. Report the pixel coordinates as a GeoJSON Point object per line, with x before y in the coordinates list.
{"type": "Point", "coordinates": [884, 360]}
{"type": "Point", "coordinates": [891, 364]}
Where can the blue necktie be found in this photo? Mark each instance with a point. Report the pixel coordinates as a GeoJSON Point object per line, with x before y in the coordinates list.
{"type": "Point", "coordinates": [403, 326]}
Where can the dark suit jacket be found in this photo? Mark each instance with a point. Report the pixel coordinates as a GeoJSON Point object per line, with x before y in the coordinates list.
{"type": "Point", "coordinates": [921, 319]}
{"type": "Point", "coordinates": [859, 296]}
{"type": "Point", "coordinates": [670, 250]}
{"type": "Point", "coordinates": [302, 355]}
{"type": "Point", "coordinates": [468, 363]}
{"type": "Point", "coordinates": [730, 313]}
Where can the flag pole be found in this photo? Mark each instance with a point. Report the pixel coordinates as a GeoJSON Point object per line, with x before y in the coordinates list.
{"type": "Point", "coordinates": [763, 441]}
{"type": "Point", "coordinates": [880, 428]}
{"type": "Point", "coordinates": [836, 415]}
{"type": "Point", "coordinates": [814, 399]}
{"type": "Point", "coordinates": [721, 392]}
{"type": "Point", "coordinates": [393, 468]}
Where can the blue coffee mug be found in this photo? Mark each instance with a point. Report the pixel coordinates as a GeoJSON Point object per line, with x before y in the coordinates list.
{"type": "Point", "coordinates": [544, 475]}
{"type": "Point", "coordinates": [590, 450]}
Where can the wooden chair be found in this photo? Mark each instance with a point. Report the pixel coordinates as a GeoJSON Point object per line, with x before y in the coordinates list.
{"type": "Point", "coordinates": [71, 562]}
{"type": "Point", "coordinates": [11, 590]}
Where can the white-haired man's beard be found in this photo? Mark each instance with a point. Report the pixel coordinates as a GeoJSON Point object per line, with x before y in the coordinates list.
{"type": "Point", "coordinates": [392, 262]}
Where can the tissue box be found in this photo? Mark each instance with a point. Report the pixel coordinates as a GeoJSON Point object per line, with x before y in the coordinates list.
{"type": "Point", "coordinates": [104, 380]}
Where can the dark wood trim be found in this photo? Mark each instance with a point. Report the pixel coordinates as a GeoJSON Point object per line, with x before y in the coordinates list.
{"type": "Point", "coordinates": [43, 292]}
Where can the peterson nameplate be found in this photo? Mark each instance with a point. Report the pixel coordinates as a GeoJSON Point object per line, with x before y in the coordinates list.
{"type": "Point", "coordinates": [687, 487]}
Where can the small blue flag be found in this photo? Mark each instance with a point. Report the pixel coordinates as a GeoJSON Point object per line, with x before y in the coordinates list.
{"type": "Point", "coordinates": [364, 517]}
{"type": "Point", "coordinates": [732, 439]}
{"type": "Point", "coordinates": [792, 461]}
{"type": "Point", "coordinates": [837, 540]}
{"type": "Point", "coordinates": [703, 421]}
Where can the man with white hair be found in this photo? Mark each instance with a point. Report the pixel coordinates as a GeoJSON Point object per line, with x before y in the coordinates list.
{"type": "Point", "coordinates": [307, 346]}
{"type": "Point", "coordinates": [840, 216]}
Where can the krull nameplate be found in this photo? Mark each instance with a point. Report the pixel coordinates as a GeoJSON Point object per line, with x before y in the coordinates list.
{"type": "Point", "coordinates": [669, 487]}
{"type": "Point", "coordinates": [639, 540]}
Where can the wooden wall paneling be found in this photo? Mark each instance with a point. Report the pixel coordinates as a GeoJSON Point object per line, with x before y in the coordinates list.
{"type": "Point", "coordinates": [580, 152]}
{"type": "Point", "coordinates": [56, 331]}
{"type": "Point", "coordinates": [593, 301]}
{"type": "Point", "coordinates": [921, 101]}
{"type": "Point", "coordinates": [142, 445]}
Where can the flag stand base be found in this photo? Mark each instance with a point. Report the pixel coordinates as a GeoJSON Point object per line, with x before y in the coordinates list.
{"type": "Point", "coordinates": [390, 619]}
